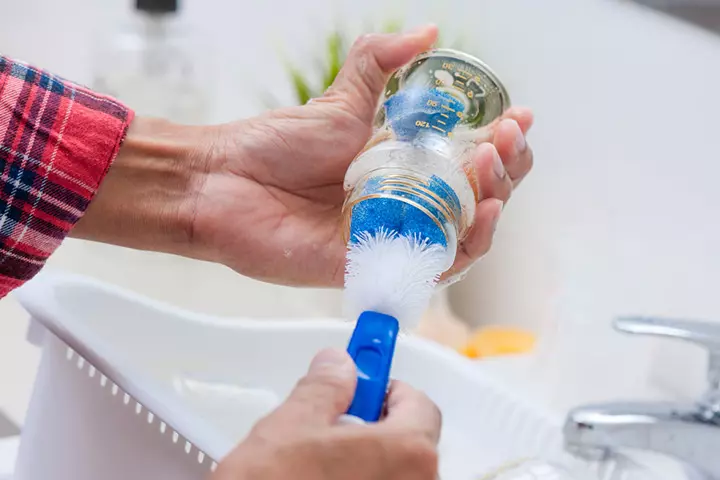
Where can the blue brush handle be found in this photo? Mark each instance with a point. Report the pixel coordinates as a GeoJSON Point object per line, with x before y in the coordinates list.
{"type": "Point", "coordinates": [372, 346]}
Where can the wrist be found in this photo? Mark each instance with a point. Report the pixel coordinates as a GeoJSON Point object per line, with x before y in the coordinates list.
{"type": "Point", "coordinates": [147, 199]}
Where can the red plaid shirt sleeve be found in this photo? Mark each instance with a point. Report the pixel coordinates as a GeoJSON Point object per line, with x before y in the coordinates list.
{"type": "Point", "coordinates": [57, 141]}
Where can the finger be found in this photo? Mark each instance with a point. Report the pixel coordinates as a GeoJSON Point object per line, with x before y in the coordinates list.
{"type": "Point", "coordinates": [492, 176]}
{"type": "Point", "coordinates": [527, 159]}
{"type": "Point", "coordinates": [324, 393]}
{"type": "Point", "coordinates": [410, 409]}
{"type": "Point", "coordinates": [371, 60]}
{"type": "Point", "coordinates": [510, 142]}
{"type": "Point", "coordinates": [479, 239]}
{"type": "Point", "coordinates": [522, 115]}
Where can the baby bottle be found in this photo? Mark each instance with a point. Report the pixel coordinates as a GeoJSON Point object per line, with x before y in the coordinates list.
{"type": "Point", "coordinates": [431, 116]}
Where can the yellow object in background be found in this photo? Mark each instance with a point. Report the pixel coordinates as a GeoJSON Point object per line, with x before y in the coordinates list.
{"type": "Point", "coordinates": [495, 341]}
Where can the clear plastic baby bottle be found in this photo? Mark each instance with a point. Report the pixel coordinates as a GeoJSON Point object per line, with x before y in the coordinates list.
{"type": "Point", "coordinates": [431, 117]}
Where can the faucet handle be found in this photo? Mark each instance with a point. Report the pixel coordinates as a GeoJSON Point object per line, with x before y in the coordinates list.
{"type": "Point", "coordinates": [705, 334]}
{"type": "Point", "coordinates": [702, 333]}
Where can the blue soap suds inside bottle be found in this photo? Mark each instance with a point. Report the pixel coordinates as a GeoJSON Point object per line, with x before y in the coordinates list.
{"type": "Point", "coordinates": [394, 215]}
{"type": "Point", "coordinates": [416, 110]}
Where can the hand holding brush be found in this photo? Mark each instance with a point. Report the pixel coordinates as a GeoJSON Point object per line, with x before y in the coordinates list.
{"type": "Point", "coordinates": [302, 439]}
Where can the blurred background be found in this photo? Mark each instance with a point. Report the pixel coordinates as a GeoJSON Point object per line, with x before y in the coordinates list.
{"type": "Point", "coordinates": [618, 217]}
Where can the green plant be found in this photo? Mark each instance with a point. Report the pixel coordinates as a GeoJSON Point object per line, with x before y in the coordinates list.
{"type": "Point", "coordinates": [336, 46]}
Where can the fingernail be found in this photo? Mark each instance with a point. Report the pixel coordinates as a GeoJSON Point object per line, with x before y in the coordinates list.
{"type": "Point", "coordinates": [331, 360]}
{"type": "Point", "coordinates": [498, 166]}
{"type": "Point", "coordinates": [520, 143]}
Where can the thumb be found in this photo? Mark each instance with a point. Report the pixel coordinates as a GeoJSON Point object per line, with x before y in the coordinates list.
{"type": "Point", "coordinates": [371, 60]}
{"type": "Point", "coordinates": [326, 391]}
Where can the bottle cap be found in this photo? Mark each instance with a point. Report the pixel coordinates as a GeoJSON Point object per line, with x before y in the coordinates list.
{"type": "Point", "coordinates": [459, 75]}
{"type": "Point", "coordinates": [157, 6]}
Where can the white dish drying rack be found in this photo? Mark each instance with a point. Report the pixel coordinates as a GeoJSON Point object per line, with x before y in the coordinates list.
{"type": "Point", "coordinates": [129, 388]}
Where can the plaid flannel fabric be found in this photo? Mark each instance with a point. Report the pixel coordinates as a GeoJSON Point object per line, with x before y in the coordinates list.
{"type": "Point", "coordinates": [57, 140]}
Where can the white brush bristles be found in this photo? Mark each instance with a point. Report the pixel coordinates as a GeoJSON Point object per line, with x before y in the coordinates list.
{"type": "Point", "coordinates": [392, 274]}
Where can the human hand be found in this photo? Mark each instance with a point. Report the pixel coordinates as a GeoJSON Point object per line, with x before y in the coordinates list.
{"type": "Point", "coordinates": [264, 195]}
{"type": "Point", "coordinates": [280, 175]}
{"type": "Point", "coordinates": [303, 440]}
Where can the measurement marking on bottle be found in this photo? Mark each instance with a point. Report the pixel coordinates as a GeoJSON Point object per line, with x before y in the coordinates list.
{"type": "Point", "coordinates": [445, 115]}
{"type": "Point", "coordinates": [448, 108]}
{"type": "Point", "coordinates": [459, 74]}
{"type": "Point", "coordinates": [440, 121]}
{"type": "Point", "coordinates": [438, 128]}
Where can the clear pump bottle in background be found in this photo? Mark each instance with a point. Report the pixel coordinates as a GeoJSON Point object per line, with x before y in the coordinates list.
{"type": "Point", "coordinates": [150, 60]}
{"type": "Point", "coordinates": [152, 65]}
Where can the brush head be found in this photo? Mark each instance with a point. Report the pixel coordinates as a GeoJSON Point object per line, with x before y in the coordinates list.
{"type": "Point", "coordinates": [393, 274]}
{"type": "Point", "coordinates": [402, 238]}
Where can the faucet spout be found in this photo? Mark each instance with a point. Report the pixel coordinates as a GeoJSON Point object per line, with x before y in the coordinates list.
{"type": "Point", "coordinates": [683, 432]}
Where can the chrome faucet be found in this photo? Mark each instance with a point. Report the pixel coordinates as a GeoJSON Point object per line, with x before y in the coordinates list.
{"type": "Point", "coordinates": [690, 433]}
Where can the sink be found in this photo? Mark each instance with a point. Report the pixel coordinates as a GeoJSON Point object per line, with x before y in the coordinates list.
{"type": "Point", "coordinates": [152, 391]}
{"type": "Point", "coordinates": [661, 466]}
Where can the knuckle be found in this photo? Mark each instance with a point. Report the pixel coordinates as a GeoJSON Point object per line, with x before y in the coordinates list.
{"type": "Point", "coordinates": [434, 420]}
{"type": "Point", "coordinates": [324, 388]}
{"type": "Point", "coordinates": [326, 380]}
{"type": "Point", "coordinates": [506, 190]}
{"type": "Point", "coordinates": [264, 431]}
{"type": "Point", "coordinates": [344, 122]}
{"type": "Point", "coordinates": [425, 399]}
{"type": "Point", "coordinates": [363, 43]}
{"type": "Point", "coordinates": [529, 159]}
{"type": "Point", "coordinates": [438, 414]}
{"type": "Point", "coordinates": [422, 454]}
{"type": "Point", "coordinates": [367, 75]}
